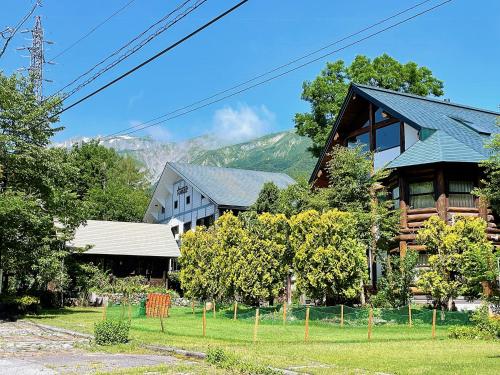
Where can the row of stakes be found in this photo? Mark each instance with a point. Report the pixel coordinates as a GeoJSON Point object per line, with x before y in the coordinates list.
{"type": "Point", "coordinates": [164, 310]}
{"type": "Point", "coordinates": [306, 333]}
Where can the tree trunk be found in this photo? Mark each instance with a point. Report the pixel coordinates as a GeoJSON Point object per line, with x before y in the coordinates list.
{"type": "Point", "coordinates": [362, 294]}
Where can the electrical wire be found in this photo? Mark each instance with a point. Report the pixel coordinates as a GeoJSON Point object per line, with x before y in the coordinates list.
{"type": "Point", "coordinates": [131, 51]}
{"type": "Point", "coordinates": [162, 52]}
{"type": "Point", "coordinates": [143, 125]}
{"type": "Point", "coordinates": [21, 23]}
{"type": "Point", "coordinates": [91, 31]}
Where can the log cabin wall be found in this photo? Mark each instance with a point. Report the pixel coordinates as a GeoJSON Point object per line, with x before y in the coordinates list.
{"type": "Point", "coordinates": [444, 178]}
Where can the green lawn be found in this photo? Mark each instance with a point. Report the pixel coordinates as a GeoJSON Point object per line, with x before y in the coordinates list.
{"type": "Point", "coordinates": [330, 349]}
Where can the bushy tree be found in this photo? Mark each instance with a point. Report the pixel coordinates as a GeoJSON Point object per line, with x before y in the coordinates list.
{"type": "Point", "coordinates": [462, 259]}
{"type": "Point", "coordinates": [491, 188]}
{"type": "Point", "coordinates": [327, 92]}
{"type": "Point", "coordinates": [267, 201]}
{"type": "Point", "coordinates": [330, 260]}
{"type": "Point", "coordinates": [112, 186]}
{"type": "Point", "coordinates": [39, 208]}
{"type": "Point", "coordinates": [394, 288]}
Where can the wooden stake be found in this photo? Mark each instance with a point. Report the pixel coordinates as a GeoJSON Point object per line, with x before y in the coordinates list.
{"type": "Point", "coordinates": [306, 336]}
{"type": "Point", "coordinates": [284, 313]}
{"type": "Point", "coordinates": [204, 320]}
{"type": "Point", "coordinates": [213, 307]}
{"type": "Point", "coordinates": [161, 321]}
{"type": "Point", "coordinates": [104, 307]}
{"type": "Point", "coordinates": [434, 312]}
{"type": "Point", "coordinates": [256, 325]}
{"type": "Point", "coordinates": [235, 310]}
{"type": "Point", "coordinates": [410, 323]}
{"type": "Point", "coordinates": [341, 316]}
{"type": "Point", "coordinates": [129, 312]}
{"type": "Point", "coordinates": [370, 322]}
{"type": "Point", "coordinates": [192, 306]}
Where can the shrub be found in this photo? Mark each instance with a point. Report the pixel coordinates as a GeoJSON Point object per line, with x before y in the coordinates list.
{"type": "Point", "coordinates": [109, 332]}
{"type": "Point", "coordinates": [484, 327]}
{"type": "Point", "coordinates": [18, 305]}
{"type": "Point", "coordinates": [461, 332]}
{"type": "Point", "coordinates": [221, 359]}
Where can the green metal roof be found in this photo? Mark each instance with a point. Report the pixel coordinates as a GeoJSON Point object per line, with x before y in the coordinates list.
{"type": "Point", "coordinates": [458, 133]}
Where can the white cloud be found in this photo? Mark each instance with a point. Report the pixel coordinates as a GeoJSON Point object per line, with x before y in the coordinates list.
{"type": "Point", "coordinates": [242, 123]}
{"type": "Point", "coordinates": [159, 133]}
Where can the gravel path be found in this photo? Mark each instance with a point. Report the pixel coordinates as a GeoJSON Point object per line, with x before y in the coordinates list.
{"type": "Point", "coordinates": [27, 349]}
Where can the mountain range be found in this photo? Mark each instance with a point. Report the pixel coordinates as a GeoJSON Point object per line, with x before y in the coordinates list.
{"type": "Point", "coordinates": [279, 152]}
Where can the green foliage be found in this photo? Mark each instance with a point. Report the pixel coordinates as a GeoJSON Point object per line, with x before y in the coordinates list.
{"type": "Point", "coordinates": [221, 359]}
{"type": "Point", "coordinates": [87, 277]}
{"type": "Point", "coordinates": [491, 182]}
{"type": "Point", "coordinates": [113, 187]}
{"type": "Point", "coordinates": [330, 260]}
{"type": "Point", "coordinates": [394, 287]}
{"type": "Point", "coordinates": [485, 327]}
{"type": "Point", "coordinates": [267, 201]}
{"type": "Point", "coordinates": [462, 258]}
{"type": "Point", "coordinates": [110, 332]}
{"type": "Point", "coordinates": [244, 257]}
{"type": "Point", "coordinates": [39, 208]}
{"type": "Point", "coordinates": [327, 92]}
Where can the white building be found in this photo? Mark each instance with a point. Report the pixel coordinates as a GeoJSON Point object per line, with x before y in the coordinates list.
{"type": "Point", "coordinates": [189, 195]}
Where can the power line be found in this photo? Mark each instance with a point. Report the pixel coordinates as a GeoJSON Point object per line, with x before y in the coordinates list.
{"type": "Point", "coordinates": [16, 28]}
{"type": "Point", "coordinates": [172, 46]}
{"type": "Point", "coordinates": [91, 31]}
{"type": "Point", "coordinates": [132, 50]}
{"type": "Point", "coordinates": [142, 127]}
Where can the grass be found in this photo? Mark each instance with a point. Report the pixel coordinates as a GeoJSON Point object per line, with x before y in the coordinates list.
{"type": "Point", "coordinates": [395, 349]}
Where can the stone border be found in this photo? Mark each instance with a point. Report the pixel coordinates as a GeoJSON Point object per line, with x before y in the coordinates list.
{"type": "Point", "coordinates": [160, 348]}
{"type": "Point", "coordinates": [61, 330]}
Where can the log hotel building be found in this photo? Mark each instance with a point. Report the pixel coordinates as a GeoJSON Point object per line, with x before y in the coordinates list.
{"type": "Point", "coordinates": [432, 147]}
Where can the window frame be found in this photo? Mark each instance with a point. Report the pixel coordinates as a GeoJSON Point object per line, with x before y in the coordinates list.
{"type": "Point", "coordinates": [188, 199]}
{"type": "Point", "coordinates": [433, 193]}
{"type": "Point", "coordinates": [451, 192]}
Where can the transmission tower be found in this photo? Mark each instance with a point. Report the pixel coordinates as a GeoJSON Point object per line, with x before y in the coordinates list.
{"type": "Point", "coordinates": [37, 57]}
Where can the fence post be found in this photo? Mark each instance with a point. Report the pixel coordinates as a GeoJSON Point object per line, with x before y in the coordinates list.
{"type": "Point", "coordinates": [256, 325]}
{"type": "Point", "coordinates": [104, 307]}
{"type": "Point", "coordinates": [204, 319]}
{"type": "Point", "coordinates": [370, 322]}
{"type": "Point", "coordinates": [235, 310]}
{"type": "Point", "coordinates": [306, 336]}
{"type": "Point", "coordinates": [192, 306]}
{"type": "Point", "coordinates": [410, 323]}
{"type": "Point", "coordinates": [284, 313]}
{"type": "Point", "coordinates": [341, 316]}
{"type": "Point", "coordinates": [213, 308]}
{"type": "Point", "coordinates": [434, 312]}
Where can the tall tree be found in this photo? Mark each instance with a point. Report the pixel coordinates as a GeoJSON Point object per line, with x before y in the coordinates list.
{"type": "Point", "coordinates": [112, 186]}
{"type": "Point", "coordinates": [327, 92]}
{"type": "Point", "coordinates": [267, 201]}
{"type": "Point", "coordinates": [36, 195]}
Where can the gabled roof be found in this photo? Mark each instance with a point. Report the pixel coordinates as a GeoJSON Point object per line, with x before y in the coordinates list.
{"type": "Point", "coordinates": [460, 131]}
{"type": "Point", "coordinates": [230, 187]}
{"type": "Point", "coordinates": [120, 238]}
{"type": "Point", "coordinates": [469, 126]}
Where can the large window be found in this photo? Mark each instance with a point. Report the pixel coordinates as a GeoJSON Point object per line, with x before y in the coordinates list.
{"type": "Point", "coordinates": [361, 139]}
{"type": "Point", "coordinates": [460, 193]}
{"type": "Point", "coordinates": [187, 226]}
{"type": "Point", "coordinates": [422, 194]}
{"type": "Point", "coordinates": [387, 137]}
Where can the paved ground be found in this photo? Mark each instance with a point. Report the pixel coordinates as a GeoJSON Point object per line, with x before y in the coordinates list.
{"type": "Point", "coordinates": [26, 349]}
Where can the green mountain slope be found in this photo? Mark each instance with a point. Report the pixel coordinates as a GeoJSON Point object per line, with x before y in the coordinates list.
{"type": "Point", "coordinates": [280, 152]}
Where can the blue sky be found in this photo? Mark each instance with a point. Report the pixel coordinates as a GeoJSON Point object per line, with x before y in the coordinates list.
{"type": "Point", "coordinates": [459, 42]}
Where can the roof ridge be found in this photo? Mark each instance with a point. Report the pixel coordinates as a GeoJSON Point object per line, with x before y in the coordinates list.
{"type": "Point", "coordinates": [435, 100]}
